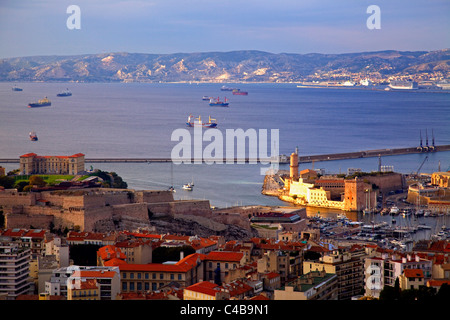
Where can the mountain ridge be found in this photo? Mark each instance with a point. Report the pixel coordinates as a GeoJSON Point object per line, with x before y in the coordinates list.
{"type": "Point", "coordinates": [223, 66]}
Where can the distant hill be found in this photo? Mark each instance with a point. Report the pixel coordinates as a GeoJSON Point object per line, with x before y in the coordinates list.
{"type": "Point", "coordinates": [252, 66]}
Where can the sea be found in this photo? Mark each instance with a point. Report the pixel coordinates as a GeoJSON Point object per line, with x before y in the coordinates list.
{"type": "Point", "coordinates": [137, 120]}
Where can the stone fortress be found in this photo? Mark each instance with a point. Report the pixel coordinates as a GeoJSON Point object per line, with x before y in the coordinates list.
{"type": "Point", "coordinates": [306, 188]}
{"type": "Point", "coordinates": [93, 209]}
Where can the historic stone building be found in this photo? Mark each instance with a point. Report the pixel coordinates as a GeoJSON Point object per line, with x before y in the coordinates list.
{"type": "Point", "coordinates": [31, 163]}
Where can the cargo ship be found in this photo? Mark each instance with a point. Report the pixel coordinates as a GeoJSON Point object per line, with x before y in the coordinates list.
{"type": "Point", "coordinates": [403, 85]}
{"type": "Point", "coordinates": [41, 103]}
{"type": "Point", "coordinates": [66, 93]}
{"type": "Point", "coordinates": [218, 103]}
{"type": "Point", "coordinates": [239, 92]}
{"type": "Point", "coordinates": [212, 123]}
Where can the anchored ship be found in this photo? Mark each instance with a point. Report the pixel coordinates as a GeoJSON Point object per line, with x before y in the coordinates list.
{"type": "Point", "coordinates": [41, 103]}
{"type": "Point", "coordinates": [66, 93]}
{"type": "Point", "coordinates": [218, 103]}
{"type": "Point", "coordinates": [212, 123]}
{"type": "Point", "coordinates": [239, 92]}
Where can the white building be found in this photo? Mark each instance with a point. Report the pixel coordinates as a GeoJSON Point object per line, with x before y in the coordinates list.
{"type": "Point", "coordinates": [14, 270]}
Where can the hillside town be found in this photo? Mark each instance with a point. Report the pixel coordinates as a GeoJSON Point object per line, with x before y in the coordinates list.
{"type": "Point", "coordinates": [84, 240]}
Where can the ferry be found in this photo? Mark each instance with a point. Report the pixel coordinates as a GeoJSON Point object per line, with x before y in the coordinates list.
{"type": "Point", "coordinates": [403, 85]}
{"type": "Point", "coordinates": [33, 136]}
{"type": "Point", "coordinates": [218, 103]}
{"type": "Point", "coordinates": [41, 103]}
{"type": "Point", "coordinates": [66, 93]}
{"type": "Point", "coordinates": [238, 92]}
{"type": "Point", "coordinates": [212, 123]}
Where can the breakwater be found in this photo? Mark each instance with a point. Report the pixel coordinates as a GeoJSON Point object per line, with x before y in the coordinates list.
{"type": "Point", "coordinates": [283, 159]}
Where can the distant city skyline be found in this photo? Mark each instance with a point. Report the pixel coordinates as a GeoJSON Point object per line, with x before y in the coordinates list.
{"type": "Point", "coordinates": [30, 28]}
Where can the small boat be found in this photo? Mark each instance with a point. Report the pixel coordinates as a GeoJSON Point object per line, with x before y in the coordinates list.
{"type": "Point", "coordinates": [206, 98]}
{"type": "Point", "coordinates": [172, 189]}
{"type": "Point", "coordinates": [394, 210]}
{"type": "Point", "coordinates": [212, 123]}
{"type": "Point", "coordinates": [41, 103]}
{"type": "Point", "coordinates": [16, 88]}
{"type": "Point", "coordinates": [188, 187]}
{"type": "Point", "coordinates": [33, 136]}
{"type": "Point", "coordinates": [66, 93]}
{"type": "Point", "coordinates": [238, 92]}
{"type": "Point", "coordinates": [218, 103]}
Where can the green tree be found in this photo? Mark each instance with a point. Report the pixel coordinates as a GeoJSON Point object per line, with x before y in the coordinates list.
{"type": "Point", "coordinates": [7, 182]}
{"type": "Point", "coordinates": [444, 293]}
{"type": "Point", "coordinates": [37, 181]}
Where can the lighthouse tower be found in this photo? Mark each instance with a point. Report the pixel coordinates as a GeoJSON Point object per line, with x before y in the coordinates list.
{"type": "Point", "coordinates": [294, 166]}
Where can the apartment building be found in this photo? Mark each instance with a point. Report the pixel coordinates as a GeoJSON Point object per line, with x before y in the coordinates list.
{"type": "Point", "coordinates": [348, 269]}
{"type": "Point", "coordinates": [219, 263]}
{"type": "Point", "coordinates": [57, 285]}
{"type": "Point", "coordinates": [94, 284]}
{"type": "Point", "coordinates": [14, 270]}
{"type": "Point", "coordinates": [384, 269]}
{"type": "Point", "coordinates": [314, 285]}
{"type": "Point", "coordinates": [152, 276]}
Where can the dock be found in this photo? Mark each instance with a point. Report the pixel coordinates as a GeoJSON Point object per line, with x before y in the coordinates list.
{"type": "Point", "coordinates": [302, 159]}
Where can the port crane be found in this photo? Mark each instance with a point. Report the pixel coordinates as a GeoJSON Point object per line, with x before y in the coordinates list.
{"type": "Point", "coordinates": [421, 165]}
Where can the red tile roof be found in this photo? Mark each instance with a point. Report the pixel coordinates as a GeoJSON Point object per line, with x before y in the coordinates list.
{"type": "Point", "coordinates": [183, 265]}
{"type": "Point", "coordinates": [205, 287]}
{"type": "Point", "coordinates": [413, 273]}
{"type": "Point", "coordinates": [225, 256]}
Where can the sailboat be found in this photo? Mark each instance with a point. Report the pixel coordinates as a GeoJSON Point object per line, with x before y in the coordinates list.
{"type": "Point", "coordinates": [171, 188]}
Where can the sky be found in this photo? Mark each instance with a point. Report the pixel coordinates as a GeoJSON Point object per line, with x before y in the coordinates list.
{"type": "Point", "coordinates": [39, 27]}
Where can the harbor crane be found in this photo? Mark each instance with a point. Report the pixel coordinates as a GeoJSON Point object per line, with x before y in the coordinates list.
{"type": "Point", "coordinates": [420, 167]}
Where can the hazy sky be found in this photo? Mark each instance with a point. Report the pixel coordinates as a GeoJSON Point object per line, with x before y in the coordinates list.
{"type": "Point", "coordinates": [38, 27]}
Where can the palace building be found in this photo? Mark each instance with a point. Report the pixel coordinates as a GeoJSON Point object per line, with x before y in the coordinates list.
{"type": "Point", "coordinates": [31, 163]}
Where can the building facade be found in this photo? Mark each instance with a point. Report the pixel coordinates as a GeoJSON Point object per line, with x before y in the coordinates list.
{"type": "Point", "coordinates": [14, 271]}
{"type": "Point", "coordinates": [348, 269]}
{"type": "Point", "coordinates": [315, 285]}
{"type": "Point", "coordinates": [31, 163]}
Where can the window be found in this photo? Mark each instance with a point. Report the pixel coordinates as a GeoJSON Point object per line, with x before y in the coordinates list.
{"type": "Point", "coordinates": [139, 275]}
{"type": "Point", "coordinates": [131, 275]}
{"type": "Point", "coordinates": [161, 276]}
{"type": "Point", "coordinates": [124, 286]}
{"type": "Point", "coordinates": [124, 275]}
{"type": "Point", "coordinates": [172, 276]}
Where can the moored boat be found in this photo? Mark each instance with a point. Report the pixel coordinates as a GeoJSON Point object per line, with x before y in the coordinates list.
{"type": "Point", "coordinates": [41, 103]}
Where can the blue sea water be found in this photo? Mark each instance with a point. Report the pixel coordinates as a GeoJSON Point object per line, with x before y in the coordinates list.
{"type": "Point", "coordinates": [137, 119]}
